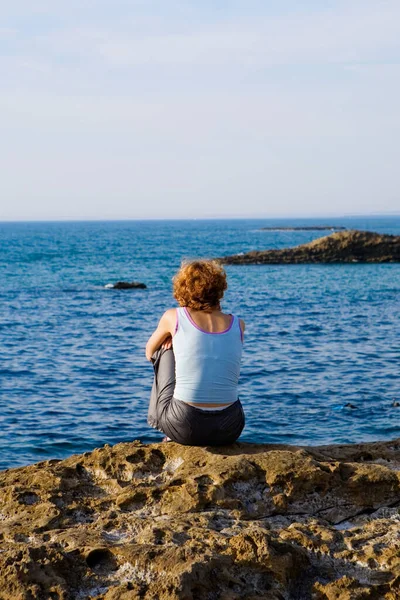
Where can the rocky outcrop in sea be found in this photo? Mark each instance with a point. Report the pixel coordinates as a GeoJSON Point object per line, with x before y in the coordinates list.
{"type": "Point", "coordinates": [170, 522]}
{"type": "Point", "coordinates": [351, 246]}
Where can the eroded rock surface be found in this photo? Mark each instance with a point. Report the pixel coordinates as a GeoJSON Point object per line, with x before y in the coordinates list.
{"type": "Point", "coordinates": [169, 522]}
{"type": "Point", "coordinates": [340, 247]}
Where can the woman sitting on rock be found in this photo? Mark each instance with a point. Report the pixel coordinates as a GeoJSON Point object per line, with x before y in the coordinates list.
{"type": "Point", "coordinates": [196, 352]}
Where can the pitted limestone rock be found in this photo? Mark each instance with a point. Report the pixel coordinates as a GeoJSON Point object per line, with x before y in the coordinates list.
{"type": "Point", "coordinates": [167, 521]}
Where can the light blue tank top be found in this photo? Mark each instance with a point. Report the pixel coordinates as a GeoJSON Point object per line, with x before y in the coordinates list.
{"type": "Point", "coordinates": [207, 364]}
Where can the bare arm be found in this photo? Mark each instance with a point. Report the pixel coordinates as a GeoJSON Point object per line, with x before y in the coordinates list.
{"type": "Point", "coordinates": [242, 327]}
{"type": "Point", "coordinates": [165, 330]}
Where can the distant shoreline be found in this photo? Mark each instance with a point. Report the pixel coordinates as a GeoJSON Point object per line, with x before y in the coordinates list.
{"type": "Point", "coordinates": [307, 228]}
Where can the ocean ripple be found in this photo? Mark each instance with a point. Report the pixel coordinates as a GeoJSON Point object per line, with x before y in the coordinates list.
{"type": "Point", "coordinates": [73, 374]}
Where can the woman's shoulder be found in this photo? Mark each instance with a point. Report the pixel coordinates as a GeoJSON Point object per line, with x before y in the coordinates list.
{"type": "Point", "coordinates": [234, 317]}
{"type": "Point", "coordinates": [241, 321]}
{"type": "Point", "coordinates": [170, 313]}
{"type": "Point", "coordinates": [169, 316]}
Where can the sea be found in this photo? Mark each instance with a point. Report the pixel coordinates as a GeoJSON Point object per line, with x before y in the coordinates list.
{"type": "Point", "coordinates": [321, 361]}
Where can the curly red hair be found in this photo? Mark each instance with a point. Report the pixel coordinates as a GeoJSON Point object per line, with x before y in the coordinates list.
{"type": "Point", "coordinates": [200, 285]}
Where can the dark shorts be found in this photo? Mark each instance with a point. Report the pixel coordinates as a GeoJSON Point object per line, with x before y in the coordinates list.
{"type": "Point", "coordinates": [184, 423]}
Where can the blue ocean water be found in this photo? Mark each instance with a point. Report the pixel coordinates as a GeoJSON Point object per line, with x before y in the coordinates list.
{"type": "Point", "coordinates": [73, 375]}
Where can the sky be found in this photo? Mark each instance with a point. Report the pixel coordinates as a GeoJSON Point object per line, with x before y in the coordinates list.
{"type": "Point", "coordinates": [130, 109]}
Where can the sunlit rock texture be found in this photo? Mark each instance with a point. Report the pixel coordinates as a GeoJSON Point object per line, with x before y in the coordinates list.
{"type": "Point", "coordinates": [169, 522]}
{"type": "Point", "coordinates": [351, 246]}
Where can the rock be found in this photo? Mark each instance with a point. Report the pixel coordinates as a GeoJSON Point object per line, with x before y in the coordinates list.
{"type": "Point", "coordinates": [342, 247]}
{"type": "Point", "coordinates": [126, 285]}
{"type": "Point", "coordinates": [306, 228]}
{"type": "Point", "coordinates": [177, 522]}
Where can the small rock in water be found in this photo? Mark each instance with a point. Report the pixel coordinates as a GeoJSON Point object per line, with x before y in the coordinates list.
{"type": "Point", "coordinates": [126, 285]}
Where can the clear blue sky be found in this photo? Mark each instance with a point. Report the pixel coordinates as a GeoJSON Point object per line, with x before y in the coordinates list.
{"type": "Point", "coordinates": [149, 109]}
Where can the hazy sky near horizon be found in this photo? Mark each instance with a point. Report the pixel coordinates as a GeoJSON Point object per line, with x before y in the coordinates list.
{"type": "Point", "coordinates": [153, 109]}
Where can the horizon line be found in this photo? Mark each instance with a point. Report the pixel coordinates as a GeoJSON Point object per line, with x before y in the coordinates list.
{"type": "Point", "coordinates": [205, 218]}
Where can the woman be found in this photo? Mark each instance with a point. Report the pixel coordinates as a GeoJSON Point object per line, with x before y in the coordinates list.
{"type": "Point", "coordinates": [196, 351]}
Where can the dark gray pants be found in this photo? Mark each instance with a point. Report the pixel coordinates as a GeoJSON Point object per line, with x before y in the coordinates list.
{"type": "Point", "coordinates": [187, 424]}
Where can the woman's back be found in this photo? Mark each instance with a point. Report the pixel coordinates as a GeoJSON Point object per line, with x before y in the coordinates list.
{"type": "Point", "coordinates": [208, 350]}
{"type": "Point", "coordinates": [210, 322]}
{"type": "Point", "coordinates": [196, 351]}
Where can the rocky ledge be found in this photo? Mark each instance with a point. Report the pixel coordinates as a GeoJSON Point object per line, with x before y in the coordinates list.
{"type": "Point", "coordinates": [170, 522]}
{"type": "Point", "coordinates": [341, 247]}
